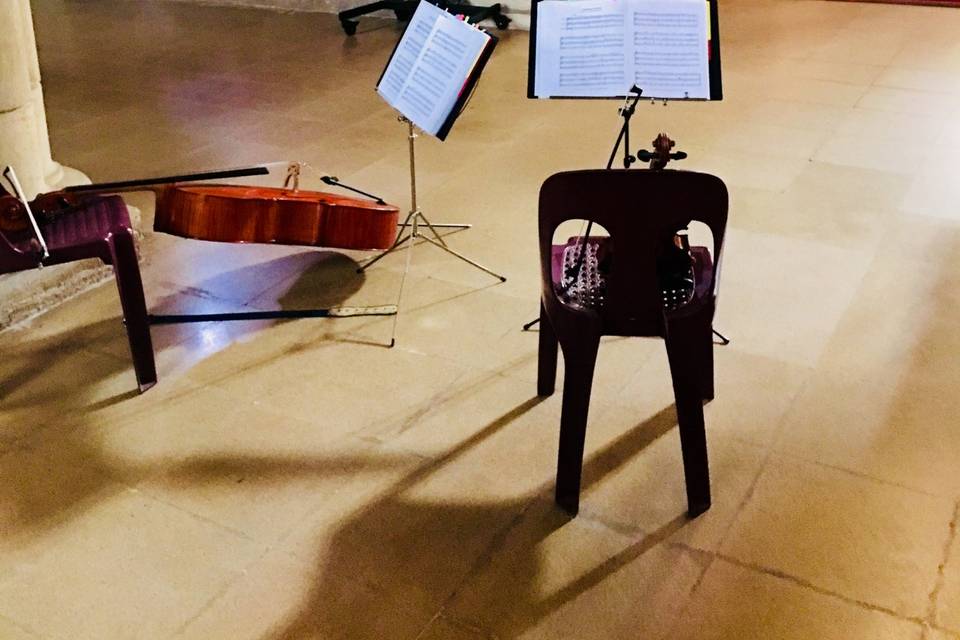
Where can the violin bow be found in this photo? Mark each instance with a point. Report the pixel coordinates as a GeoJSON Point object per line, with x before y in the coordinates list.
{"type": "Point", "coordinates": [11, 177]}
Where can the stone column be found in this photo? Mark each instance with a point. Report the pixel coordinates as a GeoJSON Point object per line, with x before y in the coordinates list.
{"type": "Point", "coordinates": [24, 143]}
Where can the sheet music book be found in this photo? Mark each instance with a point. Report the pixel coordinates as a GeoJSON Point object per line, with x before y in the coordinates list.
{"type": "Point", "coordinates": [434, 68]}
{"type": "Point", "coordinates": [600, 48]}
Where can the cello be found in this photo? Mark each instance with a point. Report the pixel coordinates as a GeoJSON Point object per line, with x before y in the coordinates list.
{"type": "Point", "coordinates": [232, 213]}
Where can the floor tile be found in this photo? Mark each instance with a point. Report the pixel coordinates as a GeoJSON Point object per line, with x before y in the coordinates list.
{"type": "Point", "coordinates": [407, 491]}
{"type": "Point", "coordinates": [15, 632]}
{"type": "Point", "coordinates": [410, 546]}
{"type": "Point", "coordinates": [128, 566]}
{"type": "Point", "coordinates": [444, 629]}
{"type": "Point", "coordinates": [806, 521]}
{"type": "Point", "coordinates": [735, 602]}
{"type": "Point", "coordinates": [284, 597]}
{"type": "Point", "coordinates": [748, 305]}
{"type": "Point", "coordinates": [636, 481]}
{"type": "Point", "coordinates": [556, 578]}
{"type": "Point", "coordinates": [879, 402]}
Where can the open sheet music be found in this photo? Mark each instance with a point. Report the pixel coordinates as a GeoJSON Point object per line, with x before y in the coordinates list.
{"type": "Point", "coordinates": [434, 67]}
{"type": "Point", "coordinates": [600, 48]}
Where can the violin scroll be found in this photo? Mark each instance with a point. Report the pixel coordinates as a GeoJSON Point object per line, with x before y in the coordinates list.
{"type": "Point", "coordinates": [661, 155]}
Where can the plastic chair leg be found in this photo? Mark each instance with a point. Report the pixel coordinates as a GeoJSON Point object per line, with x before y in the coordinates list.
{"type": "Point", "coordinates": [691, 338]}
{"type": "Point", "coordinates": [579, 363]}
{"type": "Point", "coordinates": [546, 357]}
{"type": "Point", "coordinates": [130, 286]}
{"type": "Point", "coordinates": [703, 343]}
{"type": "Point", "coordinates": [688, 391]}
{"type": "Point", "coordinates": [693, 445]}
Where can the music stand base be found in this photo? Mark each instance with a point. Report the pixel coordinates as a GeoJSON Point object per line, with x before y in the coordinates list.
{"type": "Point", "coordinates": [414, 220]}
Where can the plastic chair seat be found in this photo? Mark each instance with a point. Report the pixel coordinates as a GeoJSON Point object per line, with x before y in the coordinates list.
{"type": "Point", "coordinates": [99, 228]}
{"type": "Point", "coordinates": [593, 282]}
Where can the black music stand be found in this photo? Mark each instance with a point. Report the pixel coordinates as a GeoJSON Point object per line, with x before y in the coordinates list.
{"type": "Point", "coordinates": [403, 9]}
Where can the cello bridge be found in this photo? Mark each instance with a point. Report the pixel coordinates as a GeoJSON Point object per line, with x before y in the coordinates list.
{"type": "Point", "coordinates": [292, 181]}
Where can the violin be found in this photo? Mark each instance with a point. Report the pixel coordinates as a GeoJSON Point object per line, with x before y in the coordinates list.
{"type": "Point", "coordinates": [233, 213]}
{"type": "Point", "coordinates": [661, 155]}
{"type": "Point", "coordinates": [675, 264]}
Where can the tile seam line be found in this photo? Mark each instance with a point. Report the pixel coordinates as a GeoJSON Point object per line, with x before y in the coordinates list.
{"type": "Point", "coordinates": [482, 560]}
{"type": "Point", "coordinates": [806, 584]}
{"type": "Point", "coordinates": [941, 569]}
{"type": "Point", "coordinates": [796, 457]}
{"type": "Point", "coordinates": [147, 493]}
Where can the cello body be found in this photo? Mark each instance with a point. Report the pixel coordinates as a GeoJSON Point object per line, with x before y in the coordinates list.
{"type": "Point", "coordinates": [229, 213]}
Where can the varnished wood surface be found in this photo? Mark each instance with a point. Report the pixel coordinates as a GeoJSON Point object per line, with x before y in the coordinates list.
{"type": "Point", "coordinates": [227, 213]}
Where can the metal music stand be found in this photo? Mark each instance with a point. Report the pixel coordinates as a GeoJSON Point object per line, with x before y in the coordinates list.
{"type": "Point", "coordinates": [415, 218]}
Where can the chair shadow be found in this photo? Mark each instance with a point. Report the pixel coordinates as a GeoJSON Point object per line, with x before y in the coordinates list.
{"type": "Point", "coordinates": [318, 279]}
{"type": "Point", "coordinates": [397, 548]}
{"type": "Point", "coordinates": [48, 383]}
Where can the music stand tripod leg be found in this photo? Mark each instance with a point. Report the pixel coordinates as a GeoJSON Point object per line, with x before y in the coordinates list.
{"type": "Point", "coordinates": [416, 217]}
{"type": "Point", "coordinates": [424, 220]}
{"type": "Point", "coordinates": [464, 258]}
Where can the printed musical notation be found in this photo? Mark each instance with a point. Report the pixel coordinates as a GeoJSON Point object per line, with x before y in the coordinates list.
{"type": "Point", "coordinates": [431, 66]}
{"type": "Point", "coordinates": [600, 48]}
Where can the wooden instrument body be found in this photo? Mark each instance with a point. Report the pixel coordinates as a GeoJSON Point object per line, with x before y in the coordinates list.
{"type": "Point", "coordinates": [229, 213]}
{"type": "Point", "coordinates": [233, 213]}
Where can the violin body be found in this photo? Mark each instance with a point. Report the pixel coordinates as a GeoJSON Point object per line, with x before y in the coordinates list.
{"type": "Point", "coordinates": [229, 213]}
{"type": "Point", "coordinates": [13, 215]}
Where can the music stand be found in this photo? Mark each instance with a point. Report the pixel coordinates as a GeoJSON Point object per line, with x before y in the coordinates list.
{"type": "Point", "coordinates": [429, 85]}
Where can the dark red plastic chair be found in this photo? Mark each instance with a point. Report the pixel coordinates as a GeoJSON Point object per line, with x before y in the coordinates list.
{"type": "Point", "coordinates": [100, 229]}
{"type": "Point", "coordinates": [641, 210]}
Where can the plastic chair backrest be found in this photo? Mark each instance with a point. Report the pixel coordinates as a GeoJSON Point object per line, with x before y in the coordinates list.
{"type": "Point", "coordinates": [641, 210]}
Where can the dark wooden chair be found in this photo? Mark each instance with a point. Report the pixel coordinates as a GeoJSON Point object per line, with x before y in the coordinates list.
{"type": "Point", "coordinates": [100, 228]}
{"type": "Point", "coordinates": [621, 293]}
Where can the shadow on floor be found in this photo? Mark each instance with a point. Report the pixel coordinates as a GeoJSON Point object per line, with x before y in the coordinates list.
{"type": "Point", "coordinates": [400, 556]}
{"type": "Point", "coordinates": [396, 561]}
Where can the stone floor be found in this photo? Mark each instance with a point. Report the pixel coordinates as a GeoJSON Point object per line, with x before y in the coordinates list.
{"type": "Point", "coordinates": [301, 480]}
